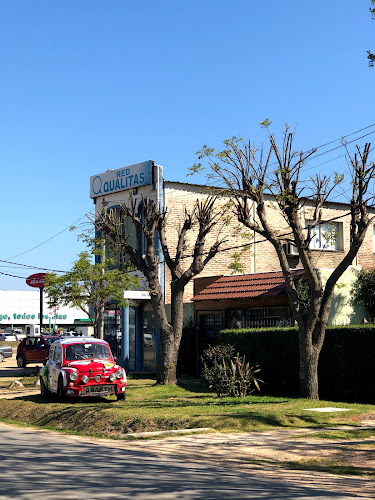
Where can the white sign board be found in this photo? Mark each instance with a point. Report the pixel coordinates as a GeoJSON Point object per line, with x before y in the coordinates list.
{"type": "Point", "coordinates": [137, 295]}
{"type": "Point", "coordinates": [122, 179]}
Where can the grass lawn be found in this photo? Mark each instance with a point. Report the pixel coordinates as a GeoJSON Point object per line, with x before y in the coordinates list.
{"type": "Point", "coordinates": [150, 407]}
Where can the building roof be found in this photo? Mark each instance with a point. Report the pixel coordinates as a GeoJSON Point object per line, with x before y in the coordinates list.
{"type": "Point", "coordinates": [246, 286]}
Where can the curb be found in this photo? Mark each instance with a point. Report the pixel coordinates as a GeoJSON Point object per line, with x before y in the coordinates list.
{"type": "Point", "coordinates": [135, 435]}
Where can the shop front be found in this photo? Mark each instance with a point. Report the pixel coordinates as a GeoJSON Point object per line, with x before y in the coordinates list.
{"type": "Point", "coordinates": [131, 332]}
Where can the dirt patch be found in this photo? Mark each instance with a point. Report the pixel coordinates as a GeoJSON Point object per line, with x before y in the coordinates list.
{"type": "Point", "coordinates": [9, 368]}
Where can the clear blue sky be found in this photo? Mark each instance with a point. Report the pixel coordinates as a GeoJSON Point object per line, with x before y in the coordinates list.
{"type": "Point", "coordinates": [91, 85]}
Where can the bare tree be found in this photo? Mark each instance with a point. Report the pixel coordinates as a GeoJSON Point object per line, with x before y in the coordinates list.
{"type": "Point", "coordinates": [249, 178]}
{"type": "Point", "coordinates": [149, 224]}
{"type": "Point", "coordinates": [371, 55]}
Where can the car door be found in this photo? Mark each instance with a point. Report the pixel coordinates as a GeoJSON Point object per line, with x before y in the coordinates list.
{"type": "Point", "coordinates": [29, 349]}
{"type": "Point", "coordinates": [54, 365]}
{"type": "Point", "coordinates": [40, 349]}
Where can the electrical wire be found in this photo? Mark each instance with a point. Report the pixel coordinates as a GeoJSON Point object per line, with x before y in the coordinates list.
{"type": "Point", "coordinates": [46, 241]}
{"type": "Point", "coordinates": [189, 195]}
{"type": "Point", "coordinates": [26, 266]}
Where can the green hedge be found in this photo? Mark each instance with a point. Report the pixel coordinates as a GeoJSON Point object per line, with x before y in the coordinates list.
{"type": "Point", "coordinates": [346, 365]}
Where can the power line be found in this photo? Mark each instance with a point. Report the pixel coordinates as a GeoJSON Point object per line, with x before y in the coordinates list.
{"type": "Point", "coordinates": [189, 195]}
{"type": "Point", "coordinates": [32, 267]}
{"type": "Point", "coordinates": [13, 275]}
{"type": "Point", "coordinates": [347, 135]}
{"type": "Point", "coordinates": [342, 145]}
{"type": "Point", "coordinates": [15, 264]}
{"type": "Point", "coordinates": [49, 239]}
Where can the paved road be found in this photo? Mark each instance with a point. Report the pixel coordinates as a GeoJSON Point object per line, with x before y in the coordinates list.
{"type": "Point", "coordinates": [42, 465]}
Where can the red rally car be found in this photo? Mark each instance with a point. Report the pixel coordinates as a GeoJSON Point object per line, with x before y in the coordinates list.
{"type": "Point", "coordinates": [82, 367]}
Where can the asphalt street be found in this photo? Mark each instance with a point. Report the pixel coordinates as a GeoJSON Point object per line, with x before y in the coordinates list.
{"type": "Point", "coordinates": [42, 465]}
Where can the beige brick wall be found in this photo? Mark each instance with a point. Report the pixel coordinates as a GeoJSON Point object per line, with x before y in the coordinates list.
{"type": "Point", "coordinates": [262, 256]}
{"type": "Point", "coordinates": [179, 197]}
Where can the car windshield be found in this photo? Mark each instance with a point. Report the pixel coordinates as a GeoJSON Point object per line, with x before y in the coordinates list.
{"type": "Point", "coordinates": [51, 339]}
{"type": "Point", "coordinates": [86, 351]}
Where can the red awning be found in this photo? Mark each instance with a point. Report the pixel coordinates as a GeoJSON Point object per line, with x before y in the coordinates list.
{"type": "Point", "coordinates": [246, 286]}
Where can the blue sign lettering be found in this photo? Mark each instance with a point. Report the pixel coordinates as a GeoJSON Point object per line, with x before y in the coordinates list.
{"type": "Point", "coordinates": [119, 180]}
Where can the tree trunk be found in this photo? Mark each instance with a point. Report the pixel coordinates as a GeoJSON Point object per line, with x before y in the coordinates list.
{"type": "Point", "coordinates": [308, 369]}
{"type": "Point", "coordinates": [99, 333]}
{"type": "Point", "coordinates": [170, 341]}
{"type": "Point", "coordinates": [167, 363]}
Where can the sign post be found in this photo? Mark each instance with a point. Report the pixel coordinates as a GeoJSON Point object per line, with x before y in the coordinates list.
{"type": "Point", "coordinates": [37, 281]}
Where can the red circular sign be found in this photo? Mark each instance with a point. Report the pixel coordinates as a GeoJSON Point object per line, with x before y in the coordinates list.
{"type": "Point", "coordinates": [36, 280]}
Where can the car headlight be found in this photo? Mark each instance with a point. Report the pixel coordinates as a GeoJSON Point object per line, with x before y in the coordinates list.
{"type": "Point", "coordinates": [112, 377]}
{"type": "Point", "coordinates": [119, 373]}
{"type": "Point", "coordinates": [85, 379]}
{"type": "Point", "coordinates": [73, 376]}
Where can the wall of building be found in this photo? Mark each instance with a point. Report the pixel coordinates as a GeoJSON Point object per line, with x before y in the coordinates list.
{"type": "Point", "coordinates": [179, 197]}
{"type": "Point", "coordinates": [19, 308]}
{"type": "Point", "coordinates": [343, 312]}
{"type": "Point", "coordinates": [261, 257]}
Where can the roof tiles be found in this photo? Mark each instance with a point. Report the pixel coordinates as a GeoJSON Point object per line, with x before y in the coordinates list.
{"type": "Point", "coordinates": [246, 286]}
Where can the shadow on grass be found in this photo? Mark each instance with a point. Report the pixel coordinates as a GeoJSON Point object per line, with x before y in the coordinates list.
{"type": "Point", "coordinates": [38, 399]}
{"type": "Point", "coordinates": [159, 403]}
{"type": "Point", "coordinates": [328, 466]}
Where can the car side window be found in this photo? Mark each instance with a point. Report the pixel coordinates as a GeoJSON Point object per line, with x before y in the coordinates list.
{"type": "Point", "coordinates": [57, 354]}
{"type": "Point", "coordinates": [51, 352]}
{"type": "Point", "coordinates": [30, 342]}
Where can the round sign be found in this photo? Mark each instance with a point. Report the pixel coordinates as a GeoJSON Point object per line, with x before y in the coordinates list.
{"type": "Point", "coordinates": [36, 280]}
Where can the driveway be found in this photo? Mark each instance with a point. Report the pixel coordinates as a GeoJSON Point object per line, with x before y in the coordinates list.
{"type": "Point", "coordinates": [9, 372]}
{"type": "Point", "coordinates": [45, 465]}
{"type": "Point", "coordinates": [251, 453]}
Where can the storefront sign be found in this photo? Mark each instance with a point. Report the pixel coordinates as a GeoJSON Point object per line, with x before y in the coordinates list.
{"type": "Point", "coordinates": [112, 181]}
{"type": "Point", "coordinates": [29, 316]}
{"type": "Point", "coordinates": [36, 280]}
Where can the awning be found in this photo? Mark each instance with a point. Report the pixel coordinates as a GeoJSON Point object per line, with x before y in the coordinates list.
{"type": "Point", "coordinates": [246, 286]}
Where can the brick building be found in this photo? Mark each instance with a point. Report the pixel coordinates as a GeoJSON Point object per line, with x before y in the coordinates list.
{"type": "Point", "coordinates": [216, 298]}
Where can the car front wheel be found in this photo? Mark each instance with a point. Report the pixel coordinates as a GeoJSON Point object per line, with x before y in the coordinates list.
{"type": "Point", "coordinates": [21, 362]}
{"type": "Point", "coordinates": [1, 357]}
{"type": "Point", "coordinates": [121, 397]}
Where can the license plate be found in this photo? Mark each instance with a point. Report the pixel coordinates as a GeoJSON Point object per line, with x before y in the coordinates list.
{"type": "Point", "coordinates": [98, 390]}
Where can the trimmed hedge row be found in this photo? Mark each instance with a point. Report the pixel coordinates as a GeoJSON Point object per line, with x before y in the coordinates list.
{"type": "Point", "coordinates": [346, 364]}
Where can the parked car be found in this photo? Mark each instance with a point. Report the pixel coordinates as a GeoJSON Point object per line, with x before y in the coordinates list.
{"type": "Point", "coordinates": [18, 332]}
{"type": "Point", "coordinates": [5, 352]}
{"type": "Point", "coordinates": [82, 366]}
{"type": "Point", "coordinates": [34, 349]}
{"type": "Point", "coordinates": [8, 337]}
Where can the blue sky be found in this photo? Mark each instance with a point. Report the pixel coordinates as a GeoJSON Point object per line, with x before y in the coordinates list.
{"type": "Point", "coordinates": [91, 85]}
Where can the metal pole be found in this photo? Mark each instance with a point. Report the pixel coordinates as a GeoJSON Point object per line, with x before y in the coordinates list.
{"type": "Point", "coordinates": [124, 360]}
{"type": "Point", "coordinates": [41, 308]}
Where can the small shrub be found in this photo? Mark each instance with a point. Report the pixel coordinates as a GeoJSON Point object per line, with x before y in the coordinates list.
{"type": "Point", "coordinates": [228, 374]}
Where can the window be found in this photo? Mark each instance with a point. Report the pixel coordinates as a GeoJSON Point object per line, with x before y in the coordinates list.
{"type": "Point", "coordinates": [57, 353]}
{"type": "Point", "coordinates": [259, 317]}
{"type": "Point", "coordinates": [128, 229]}
{"type": "Point", "coordinates": [327, 236]}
